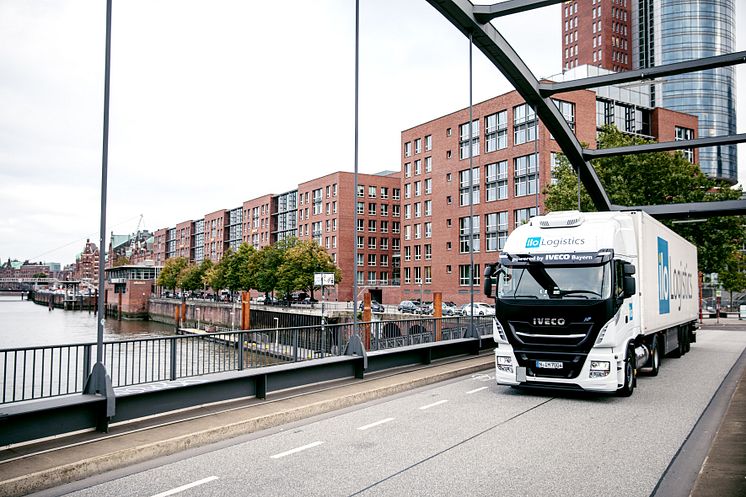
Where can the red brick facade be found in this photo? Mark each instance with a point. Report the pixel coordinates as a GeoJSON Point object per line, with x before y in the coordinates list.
{"type": "Point", "coordinates": [598, 33]}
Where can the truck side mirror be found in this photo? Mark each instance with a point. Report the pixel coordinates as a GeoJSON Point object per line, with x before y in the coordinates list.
{"type": "Point", "coordinates": [488, 271]}
{"type": "Point", "coordinates": [629, 269]}
{"type": "Point", "coordinates": [630, 287]}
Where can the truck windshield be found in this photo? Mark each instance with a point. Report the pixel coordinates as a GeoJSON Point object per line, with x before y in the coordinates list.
{"type": "Point", "coordinates": [537, 281]}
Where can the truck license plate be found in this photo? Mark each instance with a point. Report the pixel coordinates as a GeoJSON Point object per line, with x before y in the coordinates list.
{"type": "Point", "coordinates": [548, 365]}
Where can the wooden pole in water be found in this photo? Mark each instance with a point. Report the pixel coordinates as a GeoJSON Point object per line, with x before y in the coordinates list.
{"type": "Point", "coordinates": [245, 310]}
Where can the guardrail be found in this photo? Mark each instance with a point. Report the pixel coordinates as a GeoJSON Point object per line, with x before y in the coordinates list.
{"type": "Point", "coordinates": [51, 371]}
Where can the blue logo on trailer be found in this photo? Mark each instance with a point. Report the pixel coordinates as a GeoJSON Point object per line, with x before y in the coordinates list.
{"type": "Point", "coordinates": [664, 278]}
{"type": "Point", "coordinates": [533, 242]}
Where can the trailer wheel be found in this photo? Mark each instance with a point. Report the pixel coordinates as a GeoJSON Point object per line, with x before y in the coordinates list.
{"type": "Point", "coordinates": [629, 375]}
{"type": "Point", "coordinates": [655, 357]}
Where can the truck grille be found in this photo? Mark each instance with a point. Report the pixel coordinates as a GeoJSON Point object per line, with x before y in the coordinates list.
{"type": "Point", "coordinates": [570, 335]}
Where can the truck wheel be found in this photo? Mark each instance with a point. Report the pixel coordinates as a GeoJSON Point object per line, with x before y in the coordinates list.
{"type": "Point", "coordinates": [629, 375]}
{"type": "Point", "coordinates": [687, 341]}
{"type": "Point", "coordinates": [655, 359]}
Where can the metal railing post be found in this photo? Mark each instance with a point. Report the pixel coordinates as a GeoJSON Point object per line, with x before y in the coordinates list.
{"type": "Point", "coordinates": [86, 363]}
{"type": "Point", "coordinates": [295, 345]}
{"type": "Point", "coordinates": [239, 347]}
{"type": "Point", "coordinates": [173, 359]}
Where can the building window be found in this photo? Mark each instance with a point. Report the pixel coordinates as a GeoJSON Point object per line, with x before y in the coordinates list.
{"type": "Point", "coordinates": [407, 149]}
{"type": "Point", "coordinates": [360, 191]}
{"type": "Point", "coordinates": [360, 224]}
{"type": "Point", "coordinates": [469, 195]}
{"type": "Point", "coordinates": [468, 232]}
{"type": "Point", "coordinates": [428, 229]}
{"type": "Point", "coordinates": [567, 109]}
{"type": "Point", "coordinates": [465, 275]}
{"type": "Point", "coordinates": [524, 124]}
{"type": "Point", "coordinates": [396, 193]}
{"type": "Point", "coordinates": [418, 145]}
{"type": "Point", "coordinates": [407, 253]}
{"type": "Point", "coordinates": [372, 242]}
{"type": "Point", "coordinates": [384, 226]}
{"type": "Point", "coordinates": [428, 164]}
{"type": "Point", "coordinates": [371, 209]}
{"type": "Point", "coordinates": [407, 275]}
{"type": "Point", "coordinates": [372, 225]}
{"type": "Point", "coordinates": [464, 139]}
{"type": "Point", "coordinates": [408, 190]}
{"type": "Point", "coordinates": [372, 191]}
{"type": "Point", "coordinates": [428, 143]}
{"type": "Point", "coordinates": [371, 259]}
{"type": "Point", "coordinates": [417, 167]}
{"type": "Point", "coordinates": [417, 252]}
{"type": "Point", "coordinates": [407, 211]}
{"type": "Point", "coordinates": [428, 186]}
{"type": "Point", "coordinates": [428, 252]}
{"type": "Point", "coordinates": [521, 216]}
{"type": "Point", "coordinates": [685, 134]}
{"type": "Point", "coordinates": [384, 243]}
{"type": "Point", "coordinates": [360, 261]}
{"type": "Point", "coordinates": [496, 181]}
{"type": "Point", "coordinates": [395, 212]}
{"type": "Point", "coordinates": [525, 176]}
{"type": "Point", "coordinates": [384, 260]}
{"type": "Point", "coordinates": [407, 169]}
{"type": "Point", "coordinates": [384, 210]}
{"type": "Point", "coordinates": [417, 209]}
{"type": "Point", "coordinates": [496, 131]}
{"type": "Point", "coordinates": [384, 192]}
{"type": "Point", "coordinates": [361, 207]}
{"type": "Point", "coordinates": [496, 231]}
{"type": "Point", "coordinates": [317, 201]}
{"type": "Point", "coordinates": [428, 207]}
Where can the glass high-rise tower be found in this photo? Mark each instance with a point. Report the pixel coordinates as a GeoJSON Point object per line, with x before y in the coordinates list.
{"type": "Point", "coordinates": [669, 31]}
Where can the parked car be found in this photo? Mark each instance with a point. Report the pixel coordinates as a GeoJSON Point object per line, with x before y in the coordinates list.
{"type": "Point", "coordinates": [374, 306]}
{"type": "Point", "coordinates": [448, 309]}
{"type": "Point", "coordinates": [480, 309]}
{"type": "Point", "coordinates": [261, 299]}
{"type": "Point", "coordinates": [408, 306]}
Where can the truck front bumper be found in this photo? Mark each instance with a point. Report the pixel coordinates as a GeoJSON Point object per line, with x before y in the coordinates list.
{"type": "Point", "coordinates": [508, 372]}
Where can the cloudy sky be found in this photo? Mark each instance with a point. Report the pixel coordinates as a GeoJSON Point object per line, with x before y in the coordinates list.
{"type": "Point", "coordinates": [214, 102]}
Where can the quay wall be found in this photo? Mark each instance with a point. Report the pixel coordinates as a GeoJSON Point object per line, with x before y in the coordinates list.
{"type": "Point", "coordinates": [212, 315]}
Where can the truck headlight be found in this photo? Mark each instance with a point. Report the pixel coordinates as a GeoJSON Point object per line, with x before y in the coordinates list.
{"type": "Point", "coordinates": [599, 369]}
{"type": "Point", "coordinates": [504, 363]}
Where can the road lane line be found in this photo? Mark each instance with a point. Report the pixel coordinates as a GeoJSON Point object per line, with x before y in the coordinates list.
{"type": "Point", "coordinates": [361, 428]}
{"type": "Point", "coordinates": [186, 487]}
{"type": "Point", "coordinates": [433, 405]}
{"type": "Point", "coordinates": [297, 449]}
{"type": "Point", "coordinates": [476, 390]}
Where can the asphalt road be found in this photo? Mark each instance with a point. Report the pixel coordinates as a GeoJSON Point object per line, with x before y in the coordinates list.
{"type": "Point", "coordinates": [465, 437]}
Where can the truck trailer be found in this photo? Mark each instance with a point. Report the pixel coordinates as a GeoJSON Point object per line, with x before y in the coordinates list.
{"type": "Point", "coordinates": [586, 300]}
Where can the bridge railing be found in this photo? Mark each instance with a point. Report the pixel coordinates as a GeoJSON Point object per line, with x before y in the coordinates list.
{"type": "Point", "coordinates": [49, 371]}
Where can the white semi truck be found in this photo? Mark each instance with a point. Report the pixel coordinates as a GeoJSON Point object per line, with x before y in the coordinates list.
{"type": "Point", "coordinates": [586, 300]}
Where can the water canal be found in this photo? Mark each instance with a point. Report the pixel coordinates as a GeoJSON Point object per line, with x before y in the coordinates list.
{"type": "Point", "coordinates": [25, 324]}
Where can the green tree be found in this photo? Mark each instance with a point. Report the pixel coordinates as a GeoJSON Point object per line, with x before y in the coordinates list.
{"type": "Point", "coordinates": [205, 267]}
{"type": "Point", "coordinates": [215, 276]}
{"type": "Point", "coordinates": [40, 275]}
{"type": "Point", "coordinates": [190, 278]}
{"type": "Point", "coordinates": [301, 262]}
{"type": "Point", "coordinates": [651, 179]}
{"type": "Point", "coordinates": [169, 277]}
{"type": "Point", "coordinates": [266, 262]}
{"type": "Point", "coordinates": [238, 275]}
{"type": "Point", "coordinates": [733, 277]}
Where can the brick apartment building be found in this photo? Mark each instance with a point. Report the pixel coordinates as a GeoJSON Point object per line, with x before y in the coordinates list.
{"type": "Point", "coordinates": [513, 156]}
{"type": "Point", "coordinates": [597, 32]}
{"type": "Point", "coordinates": [325, 215]}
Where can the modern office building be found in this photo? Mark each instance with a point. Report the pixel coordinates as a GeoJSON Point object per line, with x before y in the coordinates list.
{"type": "Point", "coordinates": [634, 34]}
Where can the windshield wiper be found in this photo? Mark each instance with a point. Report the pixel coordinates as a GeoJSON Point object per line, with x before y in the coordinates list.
{"type": "Point", "coordinates": [525, 297]}
{"type": "Point", "coordinates": [570, 292]}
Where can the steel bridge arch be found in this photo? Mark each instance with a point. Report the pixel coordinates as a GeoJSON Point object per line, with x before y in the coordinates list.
{"type": "Point", "coordinates": [474, 21]}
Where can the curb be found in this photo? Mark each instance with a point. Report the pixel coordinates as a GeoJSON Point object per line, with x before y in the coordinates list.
{"type": "Point", "coordinates": [85, 468]}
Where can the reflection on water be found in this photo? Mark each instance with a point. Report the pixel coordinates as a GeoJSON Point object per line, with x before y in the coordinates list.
{"type": "Point", "coordinates": [25, 324]}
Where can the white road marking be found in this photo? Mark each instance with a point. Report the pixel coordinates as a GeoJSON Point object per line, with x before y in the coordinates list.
{"type": "Point", "coordinates": [297, 449]}
{"type": "Point", "coordinates": [476, 390]}
{"type": "Point", "coordinates": [433, 405]}
{"type": "Point", "coordinates": [186, 487]}
{"type": "Point", "coordinates": [361, 428]}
